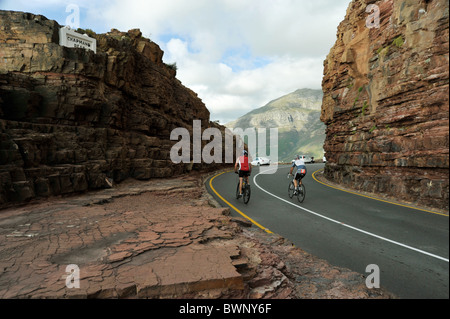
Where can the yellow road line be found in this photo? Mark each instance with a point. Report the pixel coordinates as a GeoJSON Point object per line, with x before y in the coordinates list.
{"type": "Point", "coordinates": [374, 198]}
{"type": "Point", "coordinates": [232, 206]}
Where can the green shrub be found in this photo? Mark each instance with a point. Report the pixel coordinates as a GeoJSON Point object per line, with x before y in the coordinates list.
{"type": "Point", "coordinates": [89, 32]}
{"type": "Point", "coordinates": [364, 108]}
{"type": "Point", "coordinates": [172, 66]}
{"type": "Point", "coordinates": [398, 42]}
{"type": "Point", "coordinates": [357, 96]}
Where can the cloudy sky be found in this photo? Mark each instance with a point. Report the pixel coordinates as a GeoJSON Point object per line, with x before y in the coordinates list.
{"type": "Point", "coordinates": [237, 55]}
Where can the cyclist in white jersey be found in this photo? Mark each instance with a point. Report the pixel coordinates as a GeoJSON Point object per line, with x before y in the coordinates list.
{"type": "Point", "coordinates": [299, 163]}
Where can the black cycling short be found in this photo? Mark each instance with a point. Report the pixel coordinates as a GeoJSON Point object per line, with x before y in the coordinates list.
{"type": "Point", "coordinates": [244, 173]}
{"type": "Point", "coordinates": [299, 176]}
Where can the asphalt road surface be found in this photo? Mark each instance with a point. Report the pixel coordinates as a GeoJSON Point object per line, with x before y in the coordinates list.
{"type": "Point", "coordinates": [409, 246]}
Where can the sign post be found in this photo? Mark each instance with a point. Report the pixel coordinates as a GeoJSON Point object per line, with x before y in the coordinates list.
{"type": "Point", "coordinates": [71, 39]}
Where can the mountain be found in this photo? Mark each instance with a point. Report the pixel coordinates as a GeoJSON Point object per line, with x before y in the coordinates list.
{"type": "Point", "coordinates": [297, 117]}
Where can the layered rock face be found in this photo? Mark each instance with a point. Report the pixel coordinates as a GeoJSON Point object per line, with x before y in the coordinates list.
{"type": "Point", "coordinates": [386, 103]}
{"type": "Point", "coordinates": [72, 120]}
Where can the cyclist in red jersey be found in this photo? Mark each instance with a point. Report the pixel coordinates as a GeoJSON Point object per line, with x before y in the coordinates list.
{"type": "Point", "coordinates": [245, 169]}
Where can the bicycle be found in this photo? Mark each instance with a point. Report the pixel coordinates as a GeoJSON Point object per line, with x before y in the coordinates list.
{"type": "Point", "coordinates": [301, 191]}
{"type": "Point", "coordinates": [246, 192]}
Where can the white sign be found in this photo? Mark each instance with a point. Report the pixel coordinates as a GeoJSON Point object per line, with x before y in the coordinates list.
{"type": "Point", "coordinates": [71, 39]}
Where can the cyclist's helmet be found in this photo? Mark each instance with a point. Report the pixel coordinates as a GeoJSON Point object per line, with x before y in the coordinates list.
{"type": "Point", "coordinates": [297, 157]}
{"type": "Point", "coordinates": [244, 152]}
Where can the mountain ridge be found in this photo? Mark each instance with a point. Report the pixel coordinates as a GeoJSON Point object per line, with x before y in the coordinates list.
{"type": "Point", "coordinates": [297, 117]}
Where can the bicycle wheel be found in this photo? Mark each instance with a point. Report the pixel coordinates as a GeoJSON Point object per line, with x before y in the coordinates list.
{"type": "Point", "coordinates": [291, 189]}
{"type": "Point", "coordinates": [246, 193]}
{"type": "Point", "coordinates": [237, 191]}
{"type": "Point", "coordinates": [301, 193]}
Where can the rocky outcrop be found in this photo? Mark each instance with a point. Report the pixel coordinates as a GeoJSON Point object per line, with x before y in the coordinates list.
{"type": "Point", "coordinates": [386, 103]}
{"type": "Point", "coordinates": [73, 120]}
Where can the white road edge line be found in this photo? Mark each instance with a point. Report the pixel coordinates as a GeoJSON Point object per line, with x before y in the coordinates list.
{"type": "Point", "coordinates": [348, 226]}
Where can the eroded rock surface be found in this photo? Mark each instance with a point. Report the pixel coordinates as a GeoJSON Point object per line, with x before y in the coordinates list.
{"type": "Point", "coordinates": [157, 239]}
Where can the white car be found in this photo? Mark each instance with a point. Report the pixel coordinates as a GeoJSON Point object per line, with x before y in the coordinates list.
{"type": "Point", "coordinates": [305, 158]}
{"type": "Point", "coordinates": [261, 161]}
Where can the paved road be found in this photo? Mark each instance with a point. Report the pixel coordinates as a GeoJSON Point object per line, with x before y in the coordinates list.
{"type": "Point", "coordinates": [410, 246]}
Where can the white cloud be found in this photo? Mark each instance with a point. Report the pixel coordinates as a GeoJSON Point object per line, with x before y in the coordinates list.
{"type": "Point", "coordinates": [236, 54]}
{"type": "Point", "coordinates": [229, 94]}
{"type": "Point", "coordinates": [255, 88]}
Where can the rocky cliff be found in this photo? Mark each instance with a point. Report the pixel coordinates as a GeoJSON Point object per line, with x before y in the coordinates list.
{"type": "Point", "coordinates": [72, 120]}
{"type": "Point", "coordinates": [297, 117]}
{"type": "Point", "coordinates": [386, 103]}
